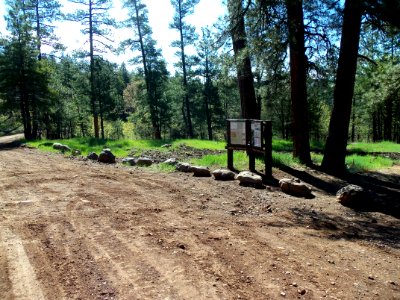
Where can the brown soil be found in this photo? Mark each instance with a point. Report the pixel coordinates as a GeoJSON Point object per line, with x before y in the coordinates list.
{"type": "Point", "coordinates": [72, 229]}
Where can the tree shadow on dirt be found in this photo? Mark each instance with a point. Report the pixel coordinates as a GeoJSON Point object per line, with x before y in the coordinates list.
{"type": "Point", "coordinates": [10, 145]}
{"type": "Point", "coordinates": [383, 190]}
{"type": "Point", "coordinates": [354, 225]}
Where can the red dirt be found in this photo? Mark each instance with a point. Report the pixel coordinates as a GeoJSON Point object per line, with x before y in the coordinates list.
{"type": "Point", "coordinates": [72, 229]}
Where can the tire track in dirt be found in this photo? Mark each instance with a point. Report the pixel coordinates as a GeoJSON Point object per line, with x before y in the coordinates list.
{"type": "Point", "coordinates": [22, 275]}
{"type": "Point", "coordinates": [169, 275]}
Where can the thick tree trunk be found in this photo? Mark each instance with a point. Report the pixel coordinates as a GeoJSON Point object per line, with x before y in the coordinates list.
{"type": "Point", "coordinates": [248, 102]}
{"type": "Point", "coordinates": [335, 148]}
{"type": "Point", "coordinates": [300, 130]}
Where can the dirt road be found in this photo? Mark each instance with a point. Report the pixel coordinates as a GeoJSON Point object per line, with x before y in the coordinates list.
{"type": "Point", "coordinates": [71, 229]}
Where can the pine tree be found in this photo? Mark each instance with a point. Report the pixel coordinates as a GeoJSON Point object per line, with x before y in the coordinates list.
{"type": "Point", "coordinates": [95, 20]}
{"type": "Point", "coordinates": [154, 69]}
{"type": "Point", "coordinates": [23, 82]}
{"type": "Point", "coordinates": [184, 8]}
{"type": "Point", "coordinates": [300, 129]}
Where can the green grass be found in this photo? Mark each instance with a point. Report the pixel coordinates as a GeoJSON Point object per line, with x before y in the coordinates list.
{"type": "Point", "coordinates": [199, 144]}
{"type": "Point", "coordinates": [281, 155]}
{"type": "Point", "coordinates": [123, 147]}
{"type": "Point", "coordinates": [358, 163]}
{"type": "Point", "coordinates": [368, 162]}
{"type": "Point", "coordinates": [374, 147]}
{"type": "Point", "coordinates": [284, 159]}
{"type": "Point", "coordinates": [240, 161]}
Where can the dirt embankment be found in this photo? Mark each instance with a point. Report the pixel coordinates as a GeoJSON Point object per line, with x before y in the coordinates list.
{"type": "Point", "coordinates": [80, 230]}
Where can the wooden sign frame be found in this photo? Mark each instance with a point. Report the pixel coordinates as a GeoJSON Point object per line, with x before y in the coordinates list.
{"type": "Point", "coordinates": [252, 136]}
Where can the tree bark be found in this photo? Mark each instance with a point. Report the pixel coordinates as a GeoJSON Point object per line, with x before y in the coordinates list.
{"type": "Point", "coordinates": [248, 102]}
{"type": "Point", "coordinates": [335, 148]}
{"type": "Point", "coordinates": [298, 61]}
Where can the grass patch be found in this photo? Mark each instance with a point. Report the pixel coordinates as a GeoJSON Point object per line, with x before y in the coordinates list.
{"type": "Point", "coordinates": [162, 167]}
{"type": "Point", "coordinates": [316, 158]}
{"type": "Point", "coordinates": [284, 159]}
{"type": "Point", "coordinates": [123, 147]}
{"type": "Point", "coordinates": [374, 147]}
{"type": "Point", "coordinates": [282, 145]}
{"type": "Point", "coordinates": [120, 148]}
{"type": "Point", "coordinates": [199, 144]}
{"type": "Point", "coordinates": [368, 163]}
{"type": "Point", "coordinates": [241, 160]}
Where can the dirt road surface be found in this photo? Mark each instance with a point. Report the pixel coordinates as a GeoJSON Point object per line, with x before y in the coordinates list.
{"type": "Point", "coordinates": [72, 229]}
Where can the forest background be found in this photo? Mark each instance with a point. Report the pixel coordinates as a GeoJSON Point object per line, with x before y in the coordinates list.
{"type": "Point", "coordinates": [288, 59]}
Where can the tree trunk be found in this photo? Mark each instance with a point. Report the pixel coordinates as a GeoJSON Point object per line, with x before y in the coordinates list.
{"type": "Point", "coordinates": [388, 119]}
{"type": "Point", "coordinates": [335, 148]}
{"type": "Point", "coordinates": [207, 94]}
{"type": "Point", "coordinates": [300, 130]}
{"type": "Point", "coordinates": [248, 102]}
{"type": "Point", "coordinates": [92, 83]}
{"type": "Point", "coordinates": [185, 84]}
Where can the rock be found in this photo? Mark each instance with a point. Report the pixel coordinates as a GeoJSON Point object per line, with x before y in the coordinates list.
{"type": "Point", "coordinates": [92, 156]}
{"type": "Point", "coordinates": [106, 157]}
{"type": "Point", "coordinates": [295, 187]}
{"type": "Point", "coordinates": [199, 171]}
{"type": "Point", "coordinates": [171, 161]}
{"type": "Point", "coordinates": [61, 147]}
{"type": "Point", "coordinates": [144, 162]}
{"type": "Point", "coordinates": [76, 152]}
{"type": "Point", "coordinates": [302, 292]}
{"type": "Point", "coordinates": [351, 195]}
{"type": "Point", "coordinates": [183, 167]}
{"type": "Point", "coordinates": [249, 178]}
{"type": "Point", "coordinates": [57, 146]}
{"type": "Point", "coordinates": [166, 146]}
{"type": "Point", "coordinates": [223, 174]}
{"type": "Point", "coordinates": [129, 161]}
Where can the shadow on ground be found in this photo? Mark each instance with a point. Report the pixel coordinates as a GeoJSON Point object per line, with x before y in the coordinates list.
{"type": "Point", "coordinates": [10, 145]}
{"type": "Point", "coordinates": [351, 226]}
{"type": "Point", "coordinates": [383, 190]}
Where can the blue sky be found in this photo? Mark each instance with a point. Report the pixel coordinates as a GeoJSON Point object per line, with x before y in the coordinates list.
{"type": "Point", "coordinates": [160, 15]}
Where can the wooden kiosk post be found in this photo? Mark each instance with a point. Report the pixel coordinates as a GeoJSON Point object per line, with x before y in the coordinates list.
{"type": "Point", "coordinates": [252, 136]}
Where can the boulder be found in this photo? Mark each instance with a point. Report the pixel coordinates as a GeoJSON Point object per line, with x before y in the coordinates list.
{"type": "Point", "coordinates": [199, 171]}
{"type": "Point", "coordinates": [144, 162]}
{"type": "Point", "coordinates": [166, 146]}
{"type": "Point", "coordinates": [92, 156]}
{"type": "Point", "coordinates": [171, 161]}
{"type": "Point", "coordinates": [295, 187]}
{"type": "Point", "coordinates": [61, 147]}
{"type": "Point", "coordinates": [223, 174]}
{"type": "Point", "coordinates": [106, 157]}
{"type": "Point", "coordinates": [129, 161]}
{"type": "Point", "coordinates": [351, 195]}
{"type": "Point", "coordinates": [183, 167]}
{"type": "Point", "coordinates": [249, 178]}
